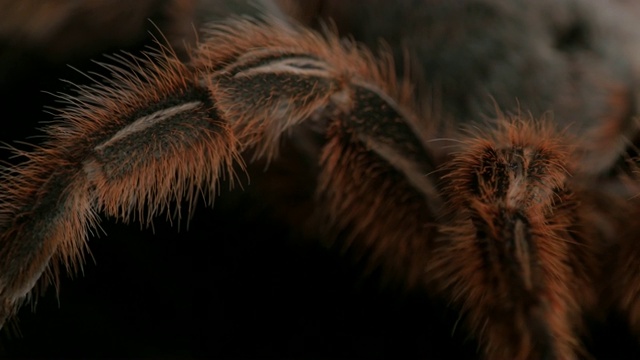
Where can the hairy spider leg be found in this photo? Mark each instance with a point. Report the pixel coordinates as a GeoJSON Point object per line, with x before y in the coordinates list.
{"type": "Point", "coordinates": [158, 130]}
{"type": "Point", "coordinates": [517, 253]}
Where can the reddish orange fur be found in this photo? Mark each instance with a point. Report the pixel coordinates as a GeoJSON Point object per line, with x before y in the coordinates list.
{"type": "Point", "coordinates": [486, 292]}
{"type": "Point", "coordinates": [73, 155]}
{"type": "Point", "coordinates": [512, 189]}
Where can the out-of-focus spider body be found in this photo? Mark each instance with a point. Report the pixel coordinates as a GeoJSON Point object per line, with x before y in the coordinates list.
{"type": "Point", "coordinates": [515, 222]}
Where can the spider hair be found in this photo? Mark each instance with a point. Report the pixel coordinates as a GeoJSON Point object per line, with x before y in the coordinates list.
{"type": "Point", "coordinates": [113, 138]}
{"type": "Point", "coordinates": [504, 231]}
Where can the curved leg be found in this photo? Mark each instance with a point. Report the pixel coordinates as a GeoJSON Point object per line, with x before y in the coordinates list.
{"type": "Point", "coordinates": [159, 130]}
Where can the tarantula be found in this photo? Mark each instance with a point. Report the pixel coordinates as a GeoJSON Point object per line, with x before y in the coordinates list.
{"type": "Point", "coordinates": [522, 223]}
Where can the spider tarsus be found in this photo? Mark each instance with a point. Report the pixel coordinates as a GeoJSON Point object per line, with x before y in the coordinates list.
{"type": "Point", "coordinates": [507, 254]}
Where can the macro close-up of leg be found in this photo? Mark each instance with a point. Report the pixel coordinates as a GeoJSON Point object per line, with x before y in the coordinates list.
{"type": "Point", "coordinates": [313, 179]}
